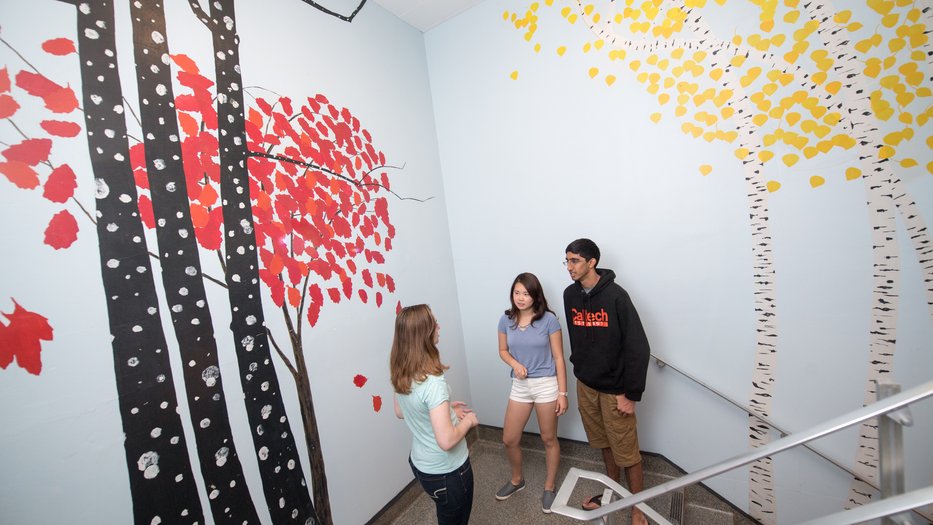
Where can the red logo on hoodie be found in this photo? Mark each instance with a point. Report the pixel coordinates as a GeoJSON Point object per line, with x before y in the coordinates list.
{"type": "Point", "coordinates": [587, 318]}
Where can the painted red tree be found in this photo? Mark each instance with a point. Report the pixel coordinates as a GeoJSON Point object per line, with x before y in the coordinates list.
{"type": "Point", "coordinates": [319, 193]}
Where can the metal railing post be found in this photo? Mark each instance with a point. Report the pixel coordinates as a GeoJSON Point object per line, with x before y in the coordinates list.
{"type": "Point", "coordinates": [891, 451]}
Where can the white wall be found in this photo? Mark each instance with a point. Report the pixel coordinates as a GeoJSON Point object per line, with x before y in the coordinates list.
{"type": "Point", "coordinates": [532, 163]}
{"type": "Point", "coordinates": [62, 436]}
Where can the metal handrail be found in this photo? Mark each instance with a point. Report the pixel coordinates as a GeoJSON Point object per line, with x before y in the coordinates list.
{"type": "Point", "coordinates": [901, 503]}
{"type": "Point", "coordinates": [662, 363]}
{"type": "Point", "coordinates": [844, 421]}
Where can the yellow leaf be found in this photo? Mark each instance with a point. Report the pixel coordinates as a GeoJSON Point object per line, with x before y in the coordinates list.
{"type": "Point", "coordinates": [843, 141]}
{"type": "Point", "coordinates": [705, 169]}
{"type": "Point", "coordinates": [610, 80]}
{"type": "Point", "coordinates": [561, 50]}
{"type": "Point", "coordinates": [810, 152]}
{"type": "Point", "coordinates": [908, 163]}
{"type": "Point", "coordinates": [760, 119]}
{"type": "Point", "coordinates": [833, 87]}
{"type": "Point", "coordinates": [727, 112]}
{"type": "Point", "coordinates": [655, 117]}
{"type": "Point", "coordinates": [537, 48]}
{"type": "Point", "coordinates": [930, 167]}
{"type": "Point", "coordinates": [790, 159]}
{"type": "Point", "coordinates": [894, 138]}
{"type": "Point", "coordinates": [842, 17]}
{"type": "Point", "coordinates": [773, 186]}
{"type": "Point", "coordinates": [765, 155]}
{"type": "Point", "coordinates": [769, 139]}
{"type": "Point", "coordinates": [514, 75]}
{"type": "Point", "coordinates": [741, 153]}
{"type": "Point", "coordinates": [664, 98]}
{"type": "Point", "coordinates": [890, 20]}
{"type": "Point", "coordinates": [816, 181]}
{"type": "Point", "coordinates": [680, 111]}
{"type": "Point", "coordinates": [792, 118]}
{"type": "Point", "coordinates": [885, 152]}
{"type": "Point", "coordinates": [635, 65]}
{"type": "Point", "coordinates": [769, 88]}
{"type": "Point", "coordinates": [792, 16]}
{"type": "Point", "coordinates": [853, 173]}
{"type": "Point", "coordinates": [593, 72]}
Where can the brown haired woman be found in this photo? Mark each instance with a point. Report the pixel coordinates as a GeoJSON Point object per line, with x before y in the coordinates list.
{"type": "Point", "coordinates": [439, 457]}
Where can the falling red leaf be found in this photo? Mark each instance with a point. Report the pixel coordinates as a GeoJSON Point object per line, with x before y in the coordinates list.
{"type": "Point", "coordinates": [61, 128]}
{"type": "Point", "coordinates": [29, 151]}
{"type": "Point", "coordinates": [59, 46]}
{"type": "Point", "coordinates": [20, 174]}
{"type": "Point", "coordinates": [145, 211]}
{"type": "Point", "coordinates": [185, 63]}
{"type": "Point", "coordinates": [4, 80]}
{"type": "Point", "coordinates": [61, 184]}
{"type": "Point", "coordinates": [8, 106]}
{"type": "Point", "coordinates": [21, 339]}
{"type": "Point", "coordinates": [359, 380]}
{"type": "Point", "coordinates": [62, 231]}
{"type": "Point", "coordinates": [398, 307]}
{"type": "Point", "coordinates": [377, 403]}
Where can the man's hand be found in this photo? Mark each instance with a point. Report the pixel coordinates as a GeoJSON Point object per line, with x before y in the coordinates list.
{"type": "Point", "coordinates": [625, 405]}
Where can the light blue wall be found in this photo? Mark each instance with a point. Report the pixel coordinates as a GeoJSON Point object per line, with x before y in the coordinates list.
{"type": "Point", "coordinates": [61, 437]}
{"type": "Point", "coordinates": [532, 163]}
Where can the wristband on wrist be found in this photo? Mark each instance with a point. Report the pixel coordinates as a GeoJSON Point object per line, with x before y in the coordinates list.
{"type": "Point", "coordinates": [562, 394]}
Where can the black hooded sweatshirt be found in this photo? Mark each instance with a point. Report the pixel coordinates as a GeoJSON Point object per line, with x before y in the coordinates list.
{"type": "Point", "coordinates": [608, 346]}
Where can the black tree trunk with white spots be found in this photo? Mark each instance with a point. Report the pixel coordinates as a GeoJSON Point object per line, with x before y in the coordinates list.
{"type": "Point", "coordinates": [223, 476]}
{"type": "Point", "coordinates": [161, 481]}
{"type": "Point", "coordinates": [283, 480]}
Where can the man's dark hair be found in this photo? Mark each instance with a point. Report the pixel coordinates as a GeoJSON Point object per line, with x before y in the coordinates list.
{"type": "Point", "coordinates": [585, 248]}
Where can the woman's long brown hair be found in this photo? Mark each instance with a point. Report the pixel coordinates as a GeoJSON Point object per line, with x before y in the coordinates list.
{"type": "Point", "coordinates": [414, 355]}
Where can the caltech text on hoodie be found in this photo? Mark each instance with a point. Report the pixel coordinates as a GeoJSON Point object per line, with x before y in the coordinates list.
{"type": "Point", "coordinates": [608, 346]}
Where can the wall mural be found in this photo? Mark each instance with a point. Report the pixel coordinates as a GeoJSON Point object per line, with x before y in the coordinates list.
{"type": "Point", "coordinates": [804, 80]}
{"type": "Point", "coordinates": [285, 198]}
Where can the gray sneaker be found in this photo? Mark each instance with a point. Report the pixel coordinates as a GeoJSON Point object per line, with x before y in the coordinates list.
{"type": "Point", "coordinates": [508, 489]}
{"type": "Point", "coordinates": [547, 499]}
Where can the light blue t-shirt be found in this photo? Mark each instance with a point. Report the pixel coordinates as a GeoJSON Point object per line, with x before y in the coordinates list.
{"type": "Point", "coordinates": [426, 454]}
{"type": "Point", "coordinates": [532, 346]}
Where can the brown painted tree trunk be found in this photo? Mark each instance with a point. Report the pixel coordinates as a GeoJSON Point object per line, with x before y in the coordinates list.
{"type": "Point", "coordinates": [161, 482]}
{"type": "Point", "coordinates": [283, 480]}
{"type": "Point", "coordinates": [182, 280]}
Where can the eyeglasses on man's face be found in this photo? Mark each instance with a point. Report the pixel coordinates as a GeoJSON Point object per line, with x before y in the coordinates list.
{"type": "Point", "coordinates": [573, 261]}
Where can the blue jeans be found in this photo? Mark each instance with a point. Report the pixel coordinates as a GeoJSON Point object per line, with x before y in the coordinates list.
{"type": "Point", "coordinates": [452, 493]}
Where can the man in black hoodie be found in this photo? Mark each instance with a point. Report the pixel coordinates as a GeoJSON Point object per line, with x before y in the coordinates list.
{"type": "Point", "coordinates": [610, 354]}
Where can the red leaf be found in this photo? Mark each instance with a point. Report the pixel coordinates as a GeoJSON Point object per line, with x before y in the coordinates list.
{"type": "Point", "coordinates": [378, 299]}
{"type": "Point", "coordinates": [60, 128]}
{"type": "Point", "coordinates": [359, 380]}
{"type": "Point", "coordinates": [377, 403]}
{"type": "Point", "coordinates": [363, 295]}
{"type": "Point", "coordinates": [57, 98]}
{"type": "Point", "coordinates": [315, 303]}
{"type": "Point", "coordinates": [20, 174]}
{"type": "Point", "coordinates": [334, 295]}
{"type": "Point", "coordinates": [185, 63]}
{"type": "Point", "coordinates": [367, 278]}
{"type": "Point", "coordinates": [30, 151]}
{"type": "Point", "coordinates": [21, 339]}
{"type": "Point", "coordinates": [4, 80]}
{"type": "Point", "coordinates": [62, 100]}
{"type": "Point", "coordinates": [8, 106]}
{"type": "Point", "coordinates": [145, 212]}
{"type": "Point", "coordinates": [61, 184]}
{"type": "Point", "coordinates": [59, 46]}
{"type": "Point", "coordinates": [62, 231]}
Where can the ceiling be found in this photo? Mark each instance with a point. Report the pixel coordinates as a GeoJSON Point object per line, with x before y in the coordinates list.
{"type": "Point", "coordinates": [426, 14]}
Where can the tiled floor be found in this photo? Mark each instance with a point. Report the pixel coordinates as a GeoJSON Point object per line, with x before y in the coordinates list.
{"type": "Point", "coordinates": [491, 470]}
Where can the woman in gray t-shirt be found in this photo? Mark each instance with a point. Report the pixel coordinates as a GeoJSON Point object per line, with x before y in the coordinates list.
{"type": "Point", "coordinates": [530, 342]}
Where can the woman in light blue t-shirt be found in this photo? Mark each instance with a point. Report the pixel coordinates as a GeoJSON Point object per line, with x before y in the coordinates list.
{"type": "Point", "coordinates": [530, 342]}
{"type": "Point", "coordinates": [439, 457]}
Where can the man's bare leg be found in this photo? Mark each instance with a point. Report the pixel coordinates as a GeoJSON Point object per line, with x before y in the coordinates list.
{"type": "Point", "coordinates": [634, 476]}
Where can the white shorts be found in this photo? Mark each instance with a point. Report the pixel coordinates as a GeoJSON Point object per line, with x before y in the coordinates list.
{"type": "Point", "coordinates": [534, 390]}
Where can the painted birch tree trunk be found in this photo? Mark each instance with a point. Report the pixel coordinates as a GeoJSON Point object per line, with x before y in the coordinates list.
{"type": "Point", "coordinates": [285, 488]}
{"type": "Point", "coordinates": [762, 504]}
{"type": "Point", "coordinates": [161, 481]}
{"type": "Point", "coordinates": [182, 280]}
{"type": "Point", "coordinates": [880, 184]}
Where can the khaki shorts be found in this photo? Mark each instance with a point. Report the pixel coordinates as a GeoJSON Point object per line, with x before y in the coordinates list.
{"type": "Point", "coordinates": [606, 427]}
